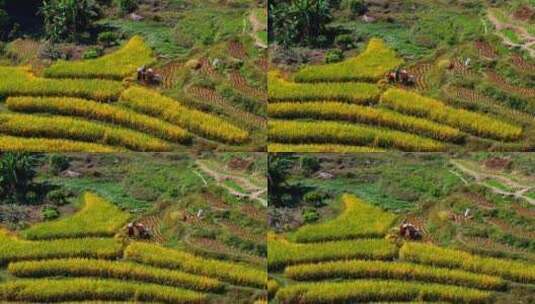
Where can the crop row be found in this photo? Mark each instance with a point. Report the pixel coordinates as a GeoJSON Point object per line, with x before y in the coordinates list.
{"type": "Point", "coordinates": [152, 103]}
{"type": "Point", "coordinates": [113, 270]}
{"type": "Point", "coordinates": [99, 111]}
{"type": "Point", "coordinates": [81, 289]}
{"type": "Point", "coordinates": [288, 131]}
{"type": "Point", "coordinates": [174, 259]}
{"type": "Point", "coordinates": [28, 125]}
{"type": "Point", "coordinates": [352, 92]}
{"type": "Point", "coordinates": [97, 218]}
{"type": "Point", "coordinates": [319, 148]}
{"type": "Point", "coordinates": [117, 65]}
{"type": "Point", "coordinates": [282, 253]}
{"type": "Point", "coordinates": [370, 65]}
{"type": "Point", "coordinates": [357, 269]}
{"type": "Point", "coordinates": [436, 256]}
{"type": "Point", "coordinates": [13, 249]}
{"type": "Point", "coordinates": [358, 220]}
{"type": "Point", "coordinates": [376, 290]}
{"type": "Point", "coordinates": [475, 123]}
{"type": "Point", "coordinates": [367, 115]}
{"type": "Point", "coordinates": [21, 144]}
{"type": "Point", "coordinates": [15, 81]}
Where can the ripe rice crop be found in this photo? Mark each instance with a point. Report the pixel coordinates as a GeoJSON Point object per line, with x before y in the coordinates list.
{"type": "Point", "coordinates": [368, 115]}
{"type": "Point", "coordinates": [478, 124]}
{"type": "Point", "coordinates": [370, 65]}
{"type": "Point", "coordinates": [21, 144]}
{"type": "Point", "coordinates": [79, 289]}
{"type": "Point", "coordinates": [13, 249]}
{"type": "Point", "coordinates": [272, 287]}
{"type": "Point", "coordinates": [318, 148]}
{"type": "Point", "coordinates": [436, 256]}
{"type": "Point", "coordinates": [27, 125]}
{"type": "Point", "coordinates": [152, 103]}
{"type": "Point", "coordinates": [376, 290]}
{"type": "Point", "coordinates": [174, 259]}
{"type": "Point", "coordinates": [117, 65]}
{"type": "Point", "coordinates": [392, 271]}
{"type": "Point", "coordinates": [99, 111]}
{"type": "Point", "coordinates": [282, 253]}
{"type": "Point", "coordinates": [113, 270]}
{"type": "Point", "coordinates": [16, 81]}
{"type": "Point", "coordinates": [358, 220]}
{"type": "Point", "coordinates": [304, 132]}
{"type": "Point", "coordinates": [97, 218]}
{"type": "Point", "coordinates": [353, 92]}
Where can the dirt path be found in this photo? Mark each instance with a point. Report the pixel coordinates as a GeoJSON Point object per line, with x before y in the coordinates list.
{"type": "Point", "coordinates": [253, 192]}
{"type": "Point", "coordinates": [480, 178]}
{"type": "Point", "coordinates": [528, 39]}
{"type": "Point", "coordinates": [257, 27]}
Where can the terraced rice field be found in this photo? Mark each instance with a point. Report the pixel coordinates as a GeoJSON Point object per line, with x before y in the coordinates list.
{"type": "Point", "coordinates": [346, 106]}
{"type": "Point", "coordinates": [82, 258]}
{"type": "Point", "coordinates": [366, 267]}
{"type": "Point", "coordinates": [94, 108]}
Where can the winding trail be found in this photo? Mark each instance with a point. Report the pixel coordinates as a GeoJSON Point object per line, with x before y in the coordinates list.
{"type": "Point", "coordinates": [257, 27]}
{"type": "Point", "coordinates": [529, 40]}
{"type": "Point", "coordinates": [480, 178]}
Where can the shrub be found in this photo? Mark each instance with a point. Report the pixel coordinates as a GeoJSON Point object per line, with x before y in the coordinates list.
{"type": "Point", "coordinates": [478, 124]}
{"type": "Point", "coordinates": [344, 41]}
{"type": "Point", "coordinates": [370, 65]}
{"type": "Point", "coordinates": [113, 270]}
{"type": "Point", "coordinates": [92, 53]}
{"type": "Point", "coordinates": [287, 131]}
{"type": "Point", "coordinates": [310, 215]}
{"type": "Point", "coordinates": [98, 217]}
{"type": "Point", "coordinates": [99, 111]}
{"type": "Point", "coordinates": [58, 163]}
{"type": "Point", "coordinates": [117, 65]}
{"type": "Point", "coordinates": [334, 56]}
{"type": "Point", "coordinates": [358, 220]}
{"type": "Point", "coordinates": [13, 249]}
{"type": "Point", "coordinates": [20, 144]}
{"type": "Point", "coordinates": [59, 290]}
{"type": "Point", "coordinates": [15, 81]}
{"type": "Point", "coordinates": [107, 38]}
{"type": "Point", "coordinates": [368, 115]}
{"type": "Point", "coordinates": [377, 291]}
{"type": "Point", "coordinates": [168, 258]}
{"type": "Point", "coordinates": [358, 7]}
{"type": "Point", "coordinates": [49, 213]}
{"type": "Point", "coordinates": [356, 269]}
{"type": "Point", "coordinates": [282, 253]}
{"type": "Point", "coordinates": [155, 104]}
{"type": "Point", "coordinates": [58, 197]}
{"type": "Point", "coordinates": [442, 257]}
{"type": "Point", "coordinates": [126, 6]}
{"type": "Point", "coordinates": [78, 129]}
{"type": "Point", "coordinates": [319, 148]}
{"type": "Point", "coordinates": [282, 90]}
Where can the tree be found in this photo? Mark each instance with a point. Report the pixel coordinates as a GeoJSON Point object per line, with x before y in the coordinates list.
{"type": "Point", "coordinates": [68, 19]}
{"type": "Point", "coordinates": [17, 171]}
{"type": "Point", "coordinates": [278, 170]}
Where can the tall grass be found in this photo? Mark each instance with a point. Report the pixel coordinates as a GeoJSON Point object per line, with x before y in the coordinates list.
{"type": "Point", "coordinates": [27, 125]}
{"type": "Point", "coordinates": [21, 144]}
{"type": "Point", "coordinates": [13, 249]}
{"type": "Point", "coordinates": [358, 220]}
{"type": "Point", "coordinates": [353, 92]}
{"type": "Point", "coordinates": [356, 269]}
{"type": "Point", "coordinates": [323, 132]}
{"type": "Point", "coordinates": [429, 254]}
{"type": "Point", "coordinates": [376, 290]}
{"type": "Point", "coordinates": [235, 273]}
{"type": "Point", "coordinates": [79, 289]}
{"type": "Point", "coordinates": [117, 65]}
{"type": "Point", "coordinates": [475, 123]}
{"type": "Point", "coordinates": [99, 111]}
{"type": "Point", "coordinates": [113, 270]}
{"type": "Point", "coordinates": [370, 65]}
{"type": "Point", "coordinates": [16, 81]}
{"type": "Point", "coordinates": [282, 253]}
{"type": "Point", "coordinates": [98, 217]}
{"type": "Point", "coordinates": [152, 103]}
{"type": "Point", "coordinates": [361, 114]}
{"type": "Point", "coordinates": [319, 148]}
